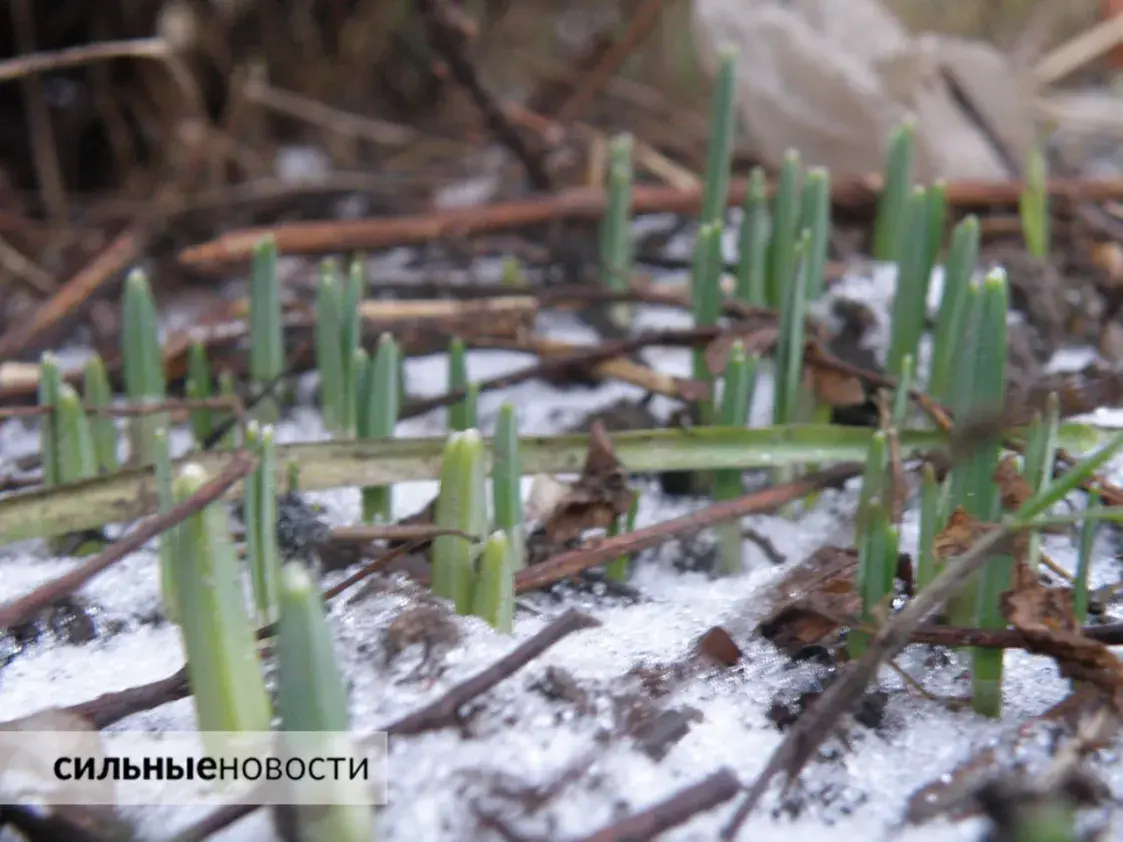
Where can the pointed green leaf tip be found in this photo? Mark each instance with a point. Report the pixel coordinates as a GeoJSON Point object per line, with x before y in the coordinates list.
{"type": "Point", "coordinates": [222, 664]}
{"type": "Point", "coordinates": [312, 702]}
{"type": "Point", "coordinates": [494, 598]}
{"type": "Point", "coordinates": [462, 505]}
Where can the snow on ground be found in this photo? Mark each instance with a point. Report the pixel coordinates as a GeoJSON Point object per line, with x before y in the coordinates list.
{"type": "Point", "coordinates": [525, 737]}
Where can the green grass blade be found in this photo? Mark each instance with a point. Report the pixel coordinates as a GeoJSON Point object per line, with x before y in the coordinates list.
{"type": "Point", "coordinates": [43, 512]}
{"type": "Point", "coordinates": [506, 484]}
{"type": "Point", "coordinates": [267, 349]}
{"type": "Point", "coordinates": [329, 353]}
{"type": "Point", "coordinates": [199, 386]}
{"type": "Point", "coordinates": [462, 505]}
{"type": "Point", "coordinates": [898, 178]}
{"type": "Point", "coordinates": [785, 229]}
{"type": "Point", "coordinates": [816, 209]}
{"type": "Point", "coordinates": [380, 418]}
{"type": "Point", "coordinates": [719, 150]}
{"type": "Point", "coordinates": [98, 394]}
{"type": "Point", "coordinates": [494, 595]}
{"type": "Point", "coordinates": [222, 664]}
{"type": "Point", "coordinates": [753, 242]}
{"type": "Point", "coordinates": [913, 274]}
{"type": "Point", "coordinates": [959, 268]}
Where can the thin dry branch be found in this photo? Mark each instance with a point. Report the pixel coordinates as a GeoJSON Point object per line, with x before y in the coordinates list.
{"type": "Point", "coordinates": [22, 609]}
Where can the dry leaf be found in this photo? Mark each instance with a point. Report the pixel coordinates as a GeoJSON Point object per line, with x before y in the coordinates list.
{"type": "Point", "coordinates": [961, 532]}
{"type": "Point", "coordinates": [813, 601]}
{"type": "Point", "coordinates": [755, 341]}
{"type": "Point", "coordinates": [596, 499]}
{"type": "Point", "coordinates": [718, 647]}
{"type": "Point", "coordinates": [837, 389]}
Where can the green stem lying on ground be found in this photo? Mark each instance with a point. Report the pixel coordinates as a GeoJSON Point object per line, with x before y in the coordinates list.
{"type": "Point", "coordinates": [336, 464]}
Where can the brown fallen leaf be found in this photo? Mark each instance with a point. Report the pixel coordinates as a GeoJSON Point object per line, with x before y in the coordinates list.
{"type": "Point", "coordinates": [598, 497]}
{"type": "Point", "coordinates": [755, 340]}
{"type": "Point", "coordinates": [718, 647]}
{"type": "Point", "coordinates": [837, 389]}
{"type": "Point", "coordinates": [1045, 618]}
{"type": "Point", "coordinates": [814, 600]}
{"type": "Point", "coordinates": [1015, 490]}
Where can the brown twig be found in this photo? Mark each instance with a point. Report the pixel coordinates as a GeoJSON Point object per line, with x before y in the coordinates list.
{"type": "Point", "coordinates": [448, 42]}
{"type": "Point", "coordinates": [819, 721]}
{"type": "Point", "coordinates": [1110, 634]}
{"type": "Point", "coordinates": [671, 812]}
{"type": "Point", "coordinates": [445, 710]}
{"type": "Point", "coordinates": [22, 609]}
{"type": "Point", "coordinates": [109, 708]}
{"type": "Point", "coordinates": [324, 237]}
{"type": "Point", "coordinates": [35, 63]}
{"type": "Point", "coordinates": [569, 564]}
{"type": "Point", "coordinates": [71, 295]}
{"type": "Point", "coordinates": [639, 27]}
{"type": "Point", "coordinates": [582, 360]}
{"type": "Point", "coordinates": [230, 402]}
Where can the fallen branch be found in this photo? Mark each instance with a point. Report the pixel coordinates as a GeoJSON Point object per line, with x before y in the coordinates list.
{"type": "Point", "coordinates": [324, 237]}
{"type": "Point", "coordinates": [71, 295]}
{"type": "Point", "coordinates": [569, 564]}
{"type": "Point", "coordinates": [579, 359]}
{"type": "Point", "coordinates": [670, 813]}
{"type": "Point", "coordinates": [22, 609]}
{"type": "Point", "coordinates": [110, 708]}
{"type": "Point", "coordinates": [446, 710]}
{"type": "Point", "coordinates": [819, 721]}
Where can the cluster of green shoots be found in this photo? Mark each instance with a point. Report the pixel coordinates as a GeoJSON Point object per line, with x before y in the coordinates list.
{"type": "Point", "coordinates": [781, 265]}
{"type": "Point", "coordinates": [200, 574]}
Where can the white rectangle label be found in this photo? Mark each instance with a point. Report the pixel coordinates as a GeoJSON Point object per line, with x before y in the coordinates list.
{"type": "Point", "coordinates": [212, 768]}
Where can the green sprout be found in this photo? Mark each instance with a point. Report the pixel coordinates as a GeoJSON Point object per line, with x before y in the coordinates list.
{"type": "Point", "coordinates": [95, 386]}
{"type": "Point", "coordinates": [959, 269]}
{"type": "Point", "coordinates": [329, 348]}
{"type": "Point", "coordinates": [736, 399]}
{"type": "Point", "coordinates": [312, 703]}
{"type": "Point", "coordinates": [876, 540]}
{"type": "Point", "coordinates": [260, 516]}
{"type": "Point", "coordinates": [228, 388]}
{"type": "Point", "coordinates": [719, 149]}
{"type": "Point", "coordinates": [617, 570]}
{"type": "Point", "coordinates": [1033, 206]}
{"type": "Point", "coordinates": [461, 505]}
{"type": "Point", "coordinates": [199, 387]}
{"type": "Point", "coordinates": [168, 542]}
{"type": "Point", "coordinates": [506, 485]}
{"type": "Point", "coordinates": [816, 209]}
{"type": "Point", "coordinates": [143, 356]}
{"type": "Point", "coordinates": [706, 293]}
{"type": "Point", "coordinates": [378, 416]}
{"type": "Point", "coordinates": [267, 349]}
{"type": "Point", "coordinates": [616, 233]}
{"type": "Point", "coordinates": [788, 380]}
{"type": "Point", "coordinates": [223, 669]}
{"type": "Point", "coordinates": [753, 242]}
{"type": "Point", "coordinates": [932, 520]}
{"type": "Point", "coordinates": [910, 302]}
{"type": "Point", "coordinates": [493, 598]}
{"type": "Point", "coordinates": [462, 414]}
{"type": "Point", "coordinates": [978, 396]}
{"type": "Point", "coordinates": [786, 215]}
{"type": "Point", "coordinates": [76, 457]}
{"type": "Point", "coordinates": [892, 224]}
{"type": "Point", "coordinates": [1040, 454]}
